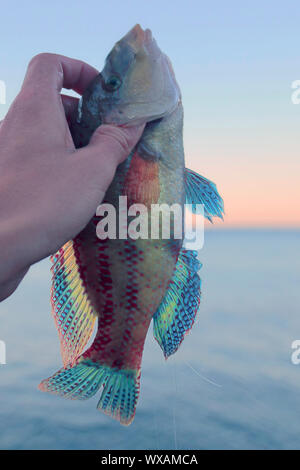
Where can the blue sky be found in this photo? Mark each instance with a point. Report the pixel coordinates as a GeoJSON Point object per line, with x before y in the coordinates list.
{"type": "Point", "coordinates": [234, 61]}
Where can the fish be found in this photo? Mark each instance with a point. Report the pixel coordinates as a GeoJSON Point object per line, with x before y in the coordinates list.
{"type": "Point", "coordinates": [114, 287]}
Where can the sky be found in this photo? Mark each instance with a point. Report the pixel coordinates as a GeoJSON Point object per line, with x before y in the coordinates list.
{"type": "Point", "coordinates": [235, 63]}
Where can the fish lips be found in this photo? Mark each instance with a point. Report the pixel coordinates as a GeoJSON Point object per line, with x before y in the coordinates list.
{"type": "Point", "coordinates": [119, 117]}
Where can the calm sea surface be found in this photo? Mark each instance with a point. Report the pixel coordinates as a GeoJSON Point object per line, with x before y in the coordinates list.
{"type": "Point", "coordinates": [231, 385]}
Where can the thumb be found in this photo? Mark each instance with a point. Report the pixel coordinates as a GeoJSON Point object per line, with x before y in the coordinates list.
{"type": "Point", "coordinates": [109, 146]}
{"type": "Point", "coordinates": [114, 142]}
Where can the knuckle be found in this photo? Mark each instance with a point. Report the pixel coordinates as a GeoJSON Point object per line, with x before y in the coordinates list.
{"type": "Point", "coordinates": [42, 59]}
{"type": "Point", "coordinates": [42, 56]}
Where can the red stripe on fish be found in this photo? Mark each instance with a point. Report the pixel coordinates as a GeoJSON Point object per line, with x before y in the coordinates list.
{"type": "Point", "coordinates": [141, 184]}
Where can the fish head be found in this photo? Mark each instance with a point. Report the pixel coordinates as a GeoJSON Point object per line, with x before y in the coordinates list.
{"type": "Point", "coordinates": [137, 83]}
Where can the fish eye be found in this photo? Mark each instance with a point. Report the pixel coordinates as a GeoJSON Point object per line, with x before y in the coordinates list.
{"type": "Point", "coordinates": [113, 83]}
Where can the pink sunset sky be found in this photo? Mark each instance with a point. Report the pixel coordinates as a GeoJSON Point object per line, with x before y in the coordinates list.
{"type": "Point", "coordinates": [235, 72]}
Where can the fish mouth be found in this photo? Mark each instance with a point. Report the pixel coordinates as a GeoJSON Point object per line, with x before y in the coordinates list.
{"type": "Point", "coordinates": [137, 37]}
{"type": "Point", "coordinates": [150, 91]}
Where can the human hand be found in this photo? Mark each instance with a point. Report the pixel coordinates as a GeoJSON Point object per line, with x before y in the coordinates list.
{"type": "Point", "coordinates": [48, 189]}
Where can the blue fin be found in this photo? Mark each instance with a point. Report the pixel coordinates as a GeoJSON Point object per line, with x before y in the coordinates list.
{"type": "Point", "coordinates": [200, 190]}
{"type": "Point", "coordinates": [176, 313]}
{"type": "Point", "coordinates": [120, 387]}
{"type": "Point", "coordinates": [73, 314]}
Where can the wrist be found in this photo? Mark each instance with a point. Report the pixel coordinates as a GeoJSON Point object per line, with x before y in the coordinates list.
{"type": "Point", "coordinates": [8, 287]}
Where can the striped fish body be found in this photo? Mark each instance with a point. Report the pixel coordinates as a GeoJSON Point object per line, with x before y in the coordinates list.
{"type": "Point", "coordinates": [125, 282]}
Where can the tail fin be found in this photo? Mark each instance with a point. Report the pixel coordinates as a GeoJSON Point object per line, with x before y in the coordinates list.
{"type": "Point", "coordinates": [120, 388]}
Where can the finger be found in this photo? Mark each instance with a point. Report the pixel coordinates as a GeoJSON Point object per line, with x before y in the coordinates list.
{"type": "Point", "coordinates": [116, 142]}
{"type": "Point", "coordinates": [109, 146]}
{"type": "Point", "coordinates": [70, 104]}
{"type": "Point", "coordinates": [52, 72]}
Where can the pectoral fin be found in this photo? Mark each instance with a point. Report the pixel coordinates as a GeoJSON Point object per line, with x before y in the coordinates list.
{"type": "Point", "coordinates": [200, 190]}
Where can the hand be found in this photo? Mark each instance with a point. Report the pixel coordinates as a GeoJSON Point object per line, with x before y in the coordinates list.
{"type": "Point", "coordinates": [49, 190]}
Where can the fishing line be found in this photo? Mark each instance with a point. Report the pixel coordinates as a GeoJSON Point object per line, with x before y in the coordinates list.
{"type": "Point", "coordinates": [174, 403]}
{"type": "Point", "coordinates": [203, 376]}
